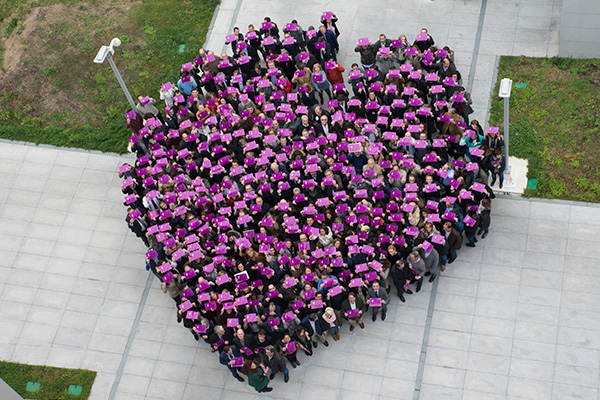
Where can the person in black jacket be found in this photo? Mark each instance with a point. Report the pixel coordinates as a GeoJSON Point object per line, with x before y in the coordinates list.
{"type": "Point", "coordinates": [401, 274]}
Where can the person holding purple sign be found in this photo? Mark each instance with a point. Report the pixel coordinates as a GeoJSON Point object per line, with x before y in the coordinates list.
{"type": "Point", "coordinates": [231, 357]}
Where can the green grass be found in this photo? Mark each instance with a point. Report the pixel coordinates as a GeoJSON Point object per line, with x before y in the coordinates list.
{"type": "Point", "coordinates": [555, 124]}
{"type": "Point", "coordinates": [81, 103]}
{"type": "Point", "coordinates": [54, 382]}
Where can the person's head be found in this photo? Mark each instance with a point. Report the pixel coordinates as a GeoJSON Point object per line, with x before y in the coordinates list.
{"type": "Point", "coordinates": [324, 119]}
{"type": "Point", "coordinates": [486, 204]}
{"type": "Point", "coordinates": [219, 330]}
{"type": "Point", "coordinates": [270, 350]}
{"type": "Point", "coordinates": [236, 31]}
{"type": "Point", "coordinates": [317, 68]}
{"type": "Point", "coordinates": [249, 367]}
{"type": "Point", "coordinates": [354, 67]}
{"type": "Point", "coordinates": [322, 28]}
{"type": "Point", "coordinates": [250, 28]}
{"type": "Point", "coordinates": [240, 334]}
{"type": "Point", "coordinates": [447, 227]}
{"type": "Point", "coordinates": [446, 63]}
{"type": "Point", "coordinates": [329, 312]}
{"type": "Point", "coordinates": [261, 335]}
{"type": "Point", "coordinates": [351, 297]}
{"type": "Point", "coordinates": [382, 38]}
{"type": "Point", "coordinates": [392, 250]}
{"type": "Point", "coordinates": [313, 317]}
{"type": "Point", "coordinates": [423, 30]}
{"type": "Point", "coordinates": [414, 256]}
{"type": "Point", "coordinates": [376, 285]}
{"type": "Point", "coordinates": [227, 349]}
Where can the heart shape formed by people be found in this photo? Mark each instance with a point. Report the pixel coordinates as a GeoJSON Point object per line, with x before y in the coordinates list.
{"type": "Point", "coordinates": [267, 214]}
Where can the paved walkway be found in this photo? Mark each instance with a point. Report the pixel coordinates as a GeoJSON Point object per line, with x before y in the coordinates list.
{"type": "Point", "coordinates": [580, 29]}
{"type": "Point", "coordinates": [517, 317]}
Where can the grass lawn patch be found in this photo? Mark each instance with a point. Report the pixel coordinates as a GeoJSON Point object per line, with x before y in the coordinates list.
{"type": "Point", "coordinates": [554, 123]}
{"type": "Point", "coordinates": [43, 382]}
{"type": "Point", "coordinates": [51, 91]}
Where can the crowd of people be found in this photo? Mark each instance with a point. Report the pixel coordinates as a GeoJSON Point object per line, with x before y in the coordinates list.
{"type": "Point", "coordinates": [273, 214]}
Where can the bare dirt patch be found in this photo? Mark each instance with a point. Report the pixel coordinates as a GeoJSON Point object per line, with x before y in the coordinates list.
{"type": "Point", "coordinates": [46, 63]}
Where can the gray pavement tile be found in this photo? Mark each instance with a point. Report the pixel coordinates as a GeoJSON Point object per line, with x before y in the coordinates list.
{"type": "Point", "coordinates": [58, 187]}
{"type": "Point", "coordinates": [46, 216]}
{"type": "Point", "coordinates": [139, 366]}
{"type": "Point", "coordinates": [527, 330]}
{"type": "Point", "coordinates": [107, 343]}
{"type": "Point", "coordinates": [502, 309]}
{"type": "Point", "coordinates": [397, 388]}
{"type": "Point", "coordinates": [38, 246]}
{"type": "Point", "coordinates": [500, 273]}
{"type": "Point", "coordinates": [29, 353]}
{"type": "Point", "coordinates": [576, 375]}
{"type": "Point", "coordinates": [543, 261]}
{"type": "Point", "coordinates": [34, 332]}
{"type": "Point", "coordinates": [533, 350]}
{"type": "Point", "coordinates": [501, 257]}
{"type": "Point", "coordinates": [24, 277]}
{"type": "Point", "coordinates": [432, 392]}
{"type": "Point", "coordinates": [84, 303]}
{"type": "Point", "coordinates": [55, 201]}
{"type": "Point", "coordinates": [72, 338]}
{"type": "Point", "coordinates": [65, 358]}
{"type": "Point", "coordinates": [458, 286]}
{"type": "Point", "coordinates": [581, 300]}
{"type": "Point", "coordinates": [171, 371]}
{"type": "Point", "coordinates": [485, 382]}
{"type": "Point", "coordinates": [192, 392]}
{"type": "Point", "coordinates": [113, 326]}
{"type": "Point", "coordinates": [449, 339]}
{"type": "Point", "coordinates": [58, 283]}
{"type": "Point", "coordinates": [453, 303]}
{"type": "Point", "coordinates": [368, 364]}
{"type": "Point", "coordinates": [532, 369]}
{"type": "Point", "coordinates": [133, 384]}
{"type": "Point", "coordinates": [505, 240]}
{"type": "Point", "coordinates": [529, 389]}
{"type": "Point", "coordinates": [452, 321]}
{"type": "Point", "coordinates": [498, 291]}
{"type": "Point", "coordinates": [551, 245]}
{"type": "Point", "coordinates": [485, 325]}
{"type": "Point", "coordinates": [360, 382]}
{"type": "Point", "coordinates": [539, 278]}
{"type": "Point", "coordinates": [442, 376]}
{"type": "Point", "coordinates": [15, 310]}
{"type": "Point", "coordinates": [537, 313]}
{"type": "Point", "coordinates": [567, 391]}
{"type": "Point", "coordinates": [541, 296]}
{"type": "Point", "coordinates": [446, 357]}
{"type": "Point", "coordinates": [579, 318]}
{"type": "Point", "coordinates": [19, 294]}
{"type": "Point", "coordinates": [491, 345]}
{"type": "Point", "coordinates": [488, 363]}
{"type": "Point", "coordinates": [66, 173]}
{"type": "Point", "coordinates": [577, 356]}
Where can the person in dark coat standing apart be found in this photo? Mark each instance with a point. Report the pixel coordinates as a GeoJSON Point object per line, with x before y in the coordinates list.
{"type": "Point", "coordinates": [275, 362]}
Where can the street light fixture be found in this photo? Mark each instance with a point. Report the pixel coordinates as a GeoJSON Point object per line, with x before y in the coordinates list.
{"type": "Point", "coordinates": [105, 53]}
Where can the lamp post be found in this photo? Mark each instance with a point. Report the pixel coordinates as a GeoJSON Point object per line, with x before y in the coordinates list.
{"type": "Point", "coordinates": [504, 92]}
{"type": "Point", "coordinates": [505, 86]}
{"type": "Point", "coordinates": [105, 53]}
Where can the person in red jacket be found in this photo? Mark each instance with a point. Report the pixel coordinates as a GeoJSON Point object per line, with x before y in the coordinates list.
{"type": "Point", "coordinates": [335, 75]}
